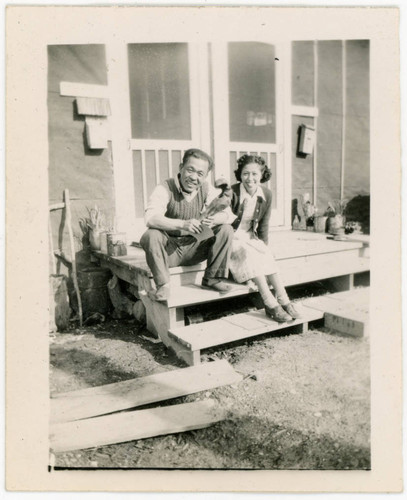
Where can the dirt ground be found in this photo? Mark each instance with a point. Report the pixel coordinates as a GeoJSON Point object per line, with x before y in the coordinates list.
{"type": "Point", "coordinates": [304, 402]}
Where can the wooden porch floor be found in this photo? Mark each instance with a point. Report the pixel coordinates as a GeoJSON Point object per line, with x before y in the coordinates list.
{"type": "Point", "coordinates": [302, 256]}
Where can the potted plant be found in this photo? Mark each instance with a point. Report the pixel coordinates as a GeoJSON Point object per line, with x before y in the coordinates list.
{"type": "Point", "coordinates": [336, 216]}
{"type": "Point", "coordinates": [95, 226]}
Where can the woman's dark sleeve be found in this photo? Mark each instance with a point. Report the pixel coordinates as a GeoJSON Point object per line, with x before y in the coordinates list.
{"type": "Point", "coordinates": [263, 229]}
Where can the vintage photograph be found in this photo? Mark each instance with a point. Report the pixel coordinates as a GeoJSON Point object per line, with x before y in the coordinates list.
{"type": "Point", "coordinates": [232, 330]}
{"type": "Point", "coordinates": [208, 248]}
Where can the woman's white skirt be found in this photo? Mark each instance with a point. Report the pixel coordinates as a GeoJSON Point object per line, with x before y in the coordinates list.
{"type": "Point", "coordinates": [250, 258]}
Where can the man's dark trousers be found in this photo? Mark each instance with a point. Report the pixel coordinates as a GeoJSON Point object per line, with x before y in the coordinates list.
{"type": "Point", "coordinates": [164, 251]}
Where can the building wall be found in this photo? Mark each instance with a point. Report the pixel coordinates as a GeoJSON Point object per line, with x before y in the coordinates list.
{"type": "Point", "coordinates": [329, 101]}
{"type": "Point", "coordinates": [88, 174]}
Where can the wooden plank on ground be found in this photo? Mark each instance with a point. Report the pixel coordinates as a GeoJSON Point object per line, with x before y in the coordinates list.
{"type": "Point", "coordinates": [353, 324]}
{"type": "Point", "coordinates": [236, 327]}
{"type": "Point", "coordinates": [109, 398]}
{"type": "Point", "coordinates": [129, 426]}
{"type": "Point", "coordinates": [346, 312]}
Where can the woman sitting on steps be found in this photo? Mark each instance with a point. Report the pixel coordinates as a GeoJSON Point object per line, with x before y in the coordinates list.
{"type": "Point", "coordinates": [251, 257]}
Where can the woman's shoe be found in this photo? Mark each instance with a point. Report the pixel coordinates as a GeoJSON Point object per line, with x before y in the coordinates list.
{"type": "Point", "coordinates": [277, 314]}
{"type": "Point", "coordinates": [291, 310]}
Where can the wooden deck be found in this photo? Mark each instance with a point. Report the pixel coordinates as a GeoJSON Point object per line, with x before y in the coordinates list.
{"type": "Point", "coordinates": [303, 257]}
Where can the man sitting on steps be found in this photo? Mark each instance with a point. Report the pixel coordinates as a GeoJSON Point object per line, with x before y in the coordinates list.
{"type": "Point", "coordinates": [173, 218]}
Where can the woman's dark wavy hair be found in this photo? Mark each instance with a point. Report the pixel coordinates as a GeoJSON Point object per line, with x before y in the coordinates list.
{"type": "Point", "coordinates": [245, 160]}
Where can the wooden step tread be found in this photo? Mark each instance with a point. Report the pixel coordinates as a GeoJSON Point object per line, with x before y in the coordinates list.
{"type": "Point", "coordinates": [94, 401]}
{"type": "Point", "coordinates": [235, 327]}
{"type": "Point", "coordinates": [185, 295]}
{"type": "Point", "coordinates": [129, 426]}
{"type": "Point", "coordinates": [351, 302]}
{"type": "Point", "coordinates": [191, 294]}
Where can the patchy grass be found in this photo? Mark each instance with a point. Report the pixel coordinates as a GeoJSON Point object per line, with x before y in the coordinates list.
{"type": "Point", "coordinates": [304, 402]}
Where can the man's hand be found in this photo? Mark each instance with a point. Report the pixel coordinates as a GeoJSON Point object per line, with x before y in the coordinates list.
{"type": "Point", "coordinates": [192, 226]}
{"type": "Point", "coordinates": [209, 221]}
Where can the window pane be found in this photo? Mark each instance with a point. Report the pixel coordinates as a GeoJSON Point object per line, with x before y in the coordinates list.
{"type": "Point", "coordinates": [159, 91]}
{"type": "Point", "coordinates": [252, 106]}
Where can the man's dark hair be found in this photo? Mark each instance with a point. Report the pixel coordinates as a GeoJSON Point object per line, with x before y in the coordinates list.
{"type": "Point", "coordinates": [197, 153]}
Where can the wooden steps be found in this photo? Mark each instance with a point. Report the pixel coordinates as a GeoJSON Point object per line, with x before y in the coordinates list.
{"type": "Point", "coordinates": [346, 312]}
{"type": "Point", "coordinates": [129, 426]}
{"type": "Point", "coordinates": [303, 257]}
{"type": "Point", "coordinates": [95, 401]}
{"type": "Point", "coordinates": [188, 341]}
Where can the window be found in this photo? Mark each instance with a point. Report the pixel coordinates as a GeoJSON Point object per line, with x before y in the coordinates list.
{"type": "Point", "coordinates": [159, 91]}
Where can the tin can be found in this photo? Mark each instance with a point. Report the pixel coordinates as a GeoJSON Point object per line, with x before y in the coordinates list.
{"type": "Point", "coordinates": [116, 244]}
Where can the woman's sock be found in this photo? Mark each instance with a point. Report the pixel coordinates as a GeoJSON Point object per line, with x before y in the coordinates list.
{"type": "Point", "coordinates": [279, 289]}
{"type": "Point", "coordinates": [264, 290]}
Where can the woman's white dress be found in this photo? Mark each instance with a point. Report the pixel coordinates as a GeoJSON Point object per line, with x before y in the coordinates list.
{"type": "Point", "coordinates": [250, 257]}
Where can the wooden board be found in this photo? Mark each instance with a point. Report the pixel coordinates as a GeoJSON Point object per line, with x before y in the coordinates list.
{"type": "Point", "coordinates": [302, 257]}
{"type": "Point", "coordinates": [109, 398]}
{"type": "Point", "coordinates": [346, 312]}
{"type": "Point", "coordinates": [354, 301]}
{"type": "Point", "coordinates": [93, 106]}
{"type": "Point", "coordinates": [129, 426]}
{"type": "Point", "coordinates": [195, 294]}
{"type": "Point", "coordinates": [83, 90]}
{"type": "Point", "coordinates": [236, 327]}
{"type": "Point", "coordinates": [356, 325]}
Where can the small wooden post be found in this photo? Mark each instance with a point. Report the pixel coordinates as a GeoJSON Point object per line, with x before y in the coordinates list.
{"type": "Point", "coordinates": [73, 257]}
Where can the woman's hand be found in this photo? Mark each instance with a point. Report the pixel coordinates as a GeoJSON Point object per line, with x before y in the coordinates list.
{"type": "Point", "coordinates": [192, 226]}
{"type": "Point", "coordinates": [209, 221]}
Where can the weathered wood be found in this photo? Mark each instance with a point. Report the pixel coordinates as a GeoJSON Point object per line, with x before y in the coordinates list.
{"type": "Point", "coordinates": [356, 325]}
{"type": "Point", "coordinates": [356, 300]}
{"type": "Point", "coordinates": [93, 106]}
{"type": "Point", "coordinates": [129, 426]}
{"type": "Point", "coordinates": [235, 327]}
{"type": "Point", "coordinates": [74, 89]}
{"type": "Point", "coordinates": [109, 398]}
{"type": "Point", "coordinates": [56, 206]}
{"type": "Point", "coordinates": [73, 253]}
{"type": "Point", "coordinates": [59, 303]}
{"type": "Point", "coordinates": [295, 273]}
{"type": "Point", "coordinates": [97, 132]}
{"type": "Point", "coordinates": [346, 312]}
{"type": "Point", "coordinates": [195, 294]}
{"type": "Point", "coordinates": [158, 317]}
{"type": "Point", "coordinates": [51, 247]}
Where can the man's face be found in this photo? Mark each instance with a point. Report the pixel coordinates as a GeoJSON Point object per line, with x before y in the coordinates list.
{"type": "Point", "coordinates": [193, 173]}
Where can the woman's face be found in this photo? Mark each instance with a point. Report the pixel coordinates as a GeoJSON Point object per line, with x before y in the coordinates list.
{"type": "Point", "coordinates": [251, 176]}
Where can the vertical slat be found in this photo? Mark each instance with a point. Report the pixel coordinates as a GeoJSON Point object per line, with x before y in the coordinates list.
{"type": "Point", "coordinates": [163, 92]}
{"type": "Point", "coordinates": [286, 157]}
{"type": "Point", "coordinates": [343, 116]}
{"type": "Point", "coordinates": [170, 163]}
{"type": "Point", "coordinates": [204, 97]}
{"type": "Point", "coordinates": [73, 256]}
{"type": "Point", "coordinates": [51, 246]}
{"type": "Point", "coordinates": [157, 166]}
{"type": "Point", "coordinates": [314, 156]}
{"type": "Point", "coordinates": [143, 177]}
{"type": "Point", "coordinates": [221, 108]}
{"type": "Point", "coordinates": [120, 120]}
{"type": "Point", "coordinates": [147, 96]}
{"type": "Point", "coordinates": [194, 91]}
